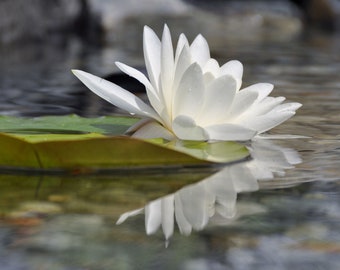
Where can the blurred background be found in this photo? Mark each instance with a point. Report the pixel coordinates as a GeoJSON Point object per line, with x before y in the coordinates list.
{"type": "Point", "coordinates": [42, 40]}
{"type": "Point", "coordinates": [47, 222]}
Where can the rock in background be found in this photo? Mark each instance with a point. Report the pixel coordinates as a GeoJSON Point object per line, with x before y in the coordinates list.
{"type": "Point", "coordinates": [23, 20]}
{"type": "Point", "coordinates": [120, 22]}
{"type": "Point", "coordinates": [217, 20]}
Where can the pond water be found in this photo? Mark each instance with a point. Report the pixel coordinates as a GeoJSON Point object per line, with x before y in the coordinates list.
{"type": "Point", "coordinates": [279, 210]}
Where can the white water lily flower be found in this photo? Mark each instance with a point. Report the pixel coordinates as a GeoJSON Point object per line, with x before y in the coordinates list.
{"type": "Point", "coordinates": [191, 96]}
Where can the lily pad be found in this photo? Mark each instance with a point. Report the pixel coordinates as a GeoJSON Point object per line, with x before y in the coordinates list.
{"type": "Point", "coordinates": [69, 124]}
{"type": "Point", "coordinates": [82, 149]}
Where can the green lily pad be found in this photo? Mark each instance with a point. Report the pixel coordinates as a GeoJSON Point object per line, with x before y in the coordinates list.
{"type": "Point", "coordinates": [69, 124]}
{"type": "Point", "coordinates": [84, 149]}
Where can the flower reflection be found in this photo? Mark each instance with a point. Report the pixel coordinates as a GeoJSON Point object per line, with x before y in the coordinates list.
{"type": "Point", "coordinates": [192, 206]}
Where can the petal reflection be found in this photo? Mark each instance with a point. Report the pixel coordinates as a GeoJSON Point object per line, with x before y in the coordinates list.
{"type": "Point", "coordinates": [214, 198]}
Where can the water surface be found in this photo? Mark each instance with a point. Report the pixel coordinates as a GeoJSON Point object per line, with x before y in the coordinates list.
{"type": "Point", "coordinates": [285, 215]}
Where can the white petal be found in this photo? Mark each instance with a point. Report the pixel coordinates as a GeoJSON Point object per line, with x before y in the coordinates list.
{"type": "Point", "coordinates": [208, 78]}
{"type": "Point", "coordinates": [212, 67]}
{"type": "Point", "coordinates": [136, 74]}
{"type": "Point", "coordinates": [273, 158]}
{"type": "Point", "coordinates": [266, 105]}
{"type": "Point", "coordinates": [151, 92]}
{"type": "Point", "coordinates": [234, 68]}
{"type": "Point", "coordinates": [242, 102]}
{"type": "Point", "coordinates": [219, 96]}
{"type": "Point", "coordinates": [269, 158]}
{"type": "Point", "coordinates": [292, 156]}
{"type": "Point", "coordinates": [185, 128]}
{"type": "Point", "coordinates": [265, 122]}
{"type": "Point", "coordinates": [183, 224]}
{"type": "Point", "coordinates": [182, 42]}
{"type": "Point", "coordinates": [153, 216]}
{"type": "Point", "coordinates": [260, 171]}
{"type": "Point", "coordinates": [168, 210]}
{"type": "Point", "coordinates": [153, 130]}
{"type": "Point", "coordinates": [243, 178]}
{"type": "Point", "coordinates": [229, 132]}
{"type": "Point", "coordinates": [280, 137]}
{"type": "Point", "coordinates": [292, 106]}
{"type": "Point", "coordinates": [126, 215]}
{"type": "Point", "coordinates": [195, 201]}
{"type": "Point", "coordinates": [116, 95]}
{"type": "Point", "coordinates": [221, 185]}
{"type": "Point", "coordinates": [199, 50]}
{"type": "Point", "coordinates": [152, 55]}
{"type": "Point", "coordinates": [189, 96]}
{"type": "Point", "coordinates": [273, 118]}
{"type": "Point", "coordinates": [137, 125]}
{"type": "Point", "coordinates": [182, 64]}
{"type": "Point", "coordinates": [167, 68]}
{"type": "Point", "coordinates": [262, 89]}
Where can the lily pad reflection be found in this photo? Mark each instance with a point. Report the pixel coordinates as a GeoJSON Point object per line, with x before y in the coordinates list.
{"type": "Point", "coordinates": [214, 198]}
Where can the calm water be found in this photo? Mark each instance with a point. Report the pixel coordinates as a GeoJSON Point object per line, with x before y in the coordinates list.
{"type": "Point", "coordinates": [280, 210]}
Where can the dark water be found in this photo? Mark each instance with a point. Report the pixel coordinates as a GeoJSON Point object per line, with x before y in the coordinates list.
{"type": "Point", "coordinates": [280, 210]}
